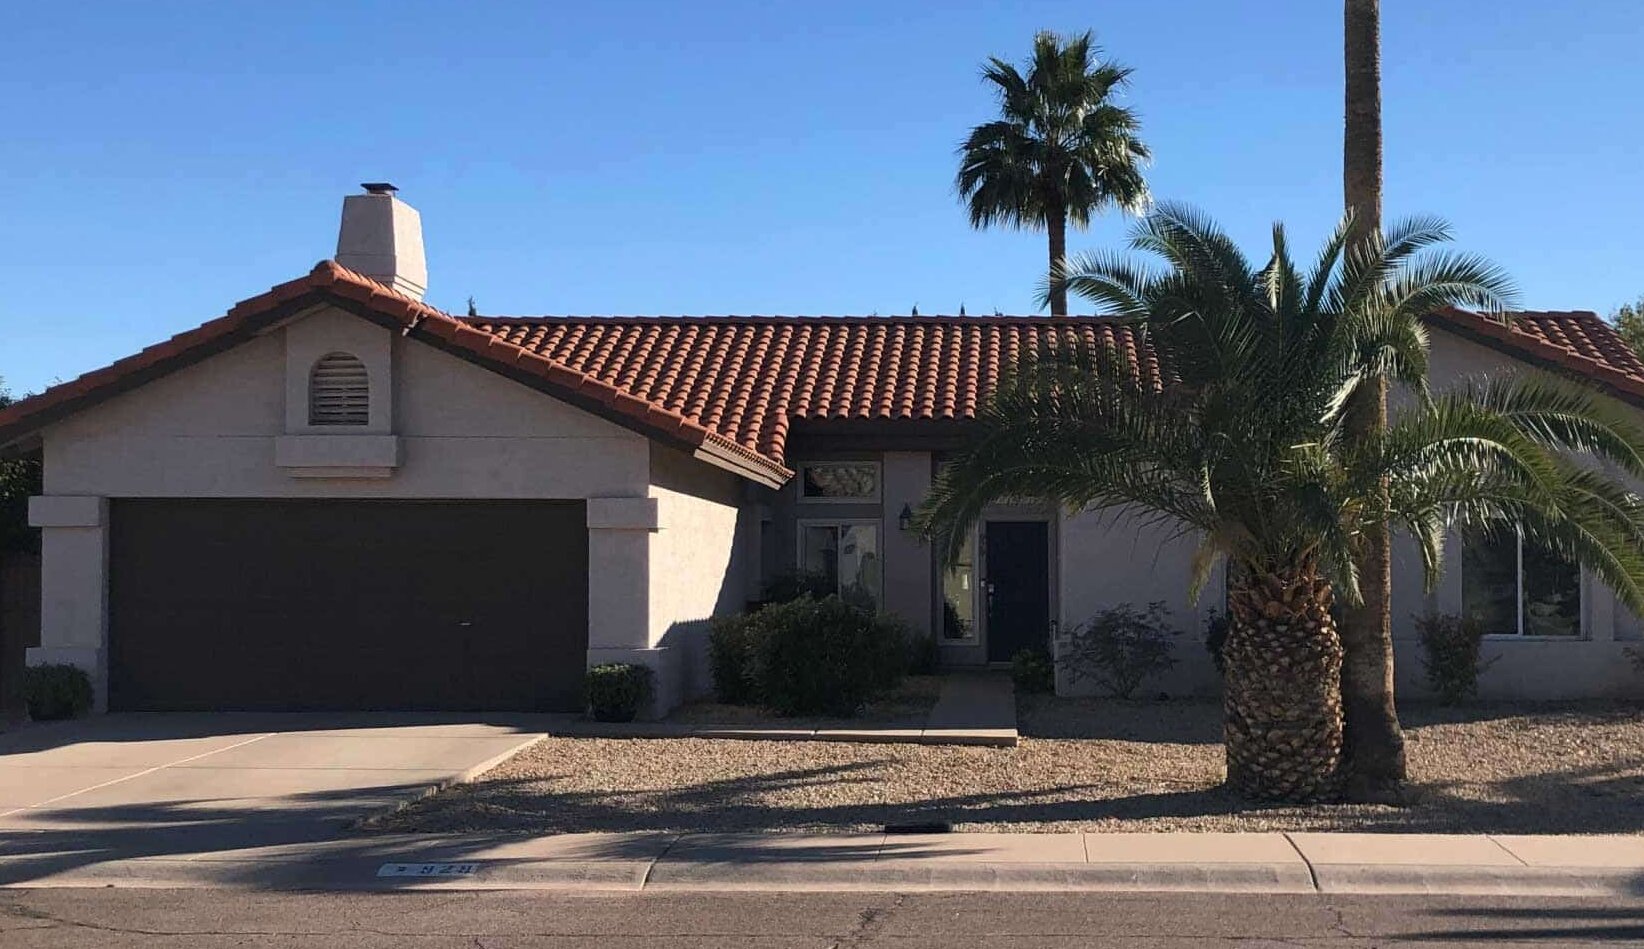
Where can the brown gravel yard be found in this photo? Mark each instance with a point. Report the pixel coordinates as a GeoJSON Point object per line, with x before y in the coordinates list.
{"type": "Point", "coordinates": [1094, 765]}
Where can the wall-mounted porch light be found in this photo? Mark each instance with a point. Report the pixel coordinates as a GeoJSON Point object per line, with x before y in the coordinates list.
{"type": "Point", "coordinates": [904, 520]}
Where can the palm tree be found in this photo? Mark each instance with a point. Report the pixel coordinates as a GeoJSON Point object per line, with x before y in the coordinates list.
{"type": "Point", "coordinates": [1374, 741]}
{"type": "Point", "coordinates": [1246, 447]}
{"type": "Point", "coordinates": [1061, 149]}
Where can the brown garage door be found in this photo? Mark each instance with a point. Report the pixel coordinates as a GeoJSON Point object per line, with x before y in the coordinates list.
{"type": "Point", "coordinates": [347, 605]}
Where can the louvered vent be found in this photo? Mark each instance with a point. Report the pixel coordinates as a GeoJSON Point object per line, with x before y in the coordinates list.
{"type": "Point", "coordinates": [339, 391]}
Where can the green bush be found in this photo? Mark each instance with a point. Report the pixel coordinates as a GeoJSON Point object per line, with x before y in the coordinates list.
{"type": "Point", "coordinates": [824, 656]}
{"type": "Point", "coordinates": [1033, 671]}
{"type": "Point", "coordinates": [922, 655]}
{"type": "Point", "coordinates": [790, 586]}
{"type": "Point", "coordinates": [730, 657]}
{"type": "Point", "coordinates": [1120, 648]}
{"type": "Point", "coordinates": [56, 690]}
{"type": "Point", "coordinates": [1215, 637]}
{"type": "Point", "coordinates": [1450, 647]}
{"type": "Point", "coordinates": [617, 691]}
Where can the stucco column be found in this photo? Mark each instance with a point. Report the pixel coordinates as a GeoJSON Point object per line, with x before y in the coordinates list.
{"type": "Point", "coordinates": [619, 592]}
{"type": "Point", "coordinates": [73, 586]}
{"type": "Point", "coordinates": [907, 558]}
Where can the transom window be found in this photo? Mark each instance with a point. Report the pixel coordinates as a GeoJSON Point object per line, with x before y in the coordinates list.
{"type": "Point", "coordinates": [839, 481]}
{"type": "Point", "coordinates": [845, 554]}
{"type": "Point", "coordinates": [339, 391]}
{"type": "Point", "coordinates": [1515, 587]}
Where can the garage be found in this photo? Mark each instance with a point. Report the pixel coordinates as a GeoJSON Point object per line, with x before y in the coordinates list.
{"type": "Point", "coordinates": [320, 604]}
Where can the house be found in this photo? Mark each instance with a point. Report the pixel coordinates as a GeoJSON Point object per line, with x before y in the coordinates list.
{"type": "Point", "coordinates": [337, 496]}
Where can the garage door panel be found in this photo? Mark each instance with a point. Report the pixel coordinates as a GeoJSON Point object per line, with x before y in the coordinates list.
{"type": "Point", "coordinates": [347, 604]}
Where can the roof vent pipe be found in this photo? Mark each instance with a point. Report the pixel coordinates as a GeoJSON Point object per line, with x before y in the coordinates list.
{"type": "Point", "coordinates": [381, 238]}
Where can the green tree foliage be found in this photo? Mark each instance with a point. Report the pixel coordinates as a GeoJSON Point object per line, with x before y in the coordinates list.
{"type": "Point", "coordinates": [1629, 322]}
{"type": "Point", "coordinates": [19, 480]}
{"type": "Point", "coordinates": [1061, 150]}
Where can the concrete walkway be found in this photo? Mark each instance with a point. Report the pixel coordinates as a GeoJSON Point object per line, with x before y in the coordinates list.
{"type": "Point", "coordinates": [973, 708]}
{"type": "Point", "coordinates": [1228, 863]}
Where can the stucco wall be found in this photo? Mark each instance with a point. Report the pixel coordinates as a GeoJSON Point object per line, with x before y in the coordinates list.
{"type": "Point", "coordinates": [699, 558]}
{"type": "Point", "coordinates": [209, 431]}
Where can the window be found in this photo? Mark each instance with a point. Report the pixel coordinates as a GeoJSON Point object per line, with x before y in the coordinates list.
{"type": "Point", "coordinates": [846, 555]}
{"type": "Point", "coordinates": [1518, 588]}
{"type": "Point", "coordinates": [839, 481]}
{"type": "Point", "coordinates": [959, 596]}
{"type": "Point", "coordinates": [339, 391]}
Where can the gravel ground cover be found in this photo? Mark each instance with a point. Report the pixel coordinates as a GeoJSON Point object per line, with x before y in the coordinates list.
{"type": "Point", "coordinates": [1093, 765]}
{"type": "Point", "coordinates": [908, 704]}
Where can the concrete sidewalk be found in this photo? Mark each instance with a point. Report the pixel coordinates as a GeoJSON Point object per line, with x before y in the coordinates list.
{"type": "Point", "coordinates": [1229, 863]}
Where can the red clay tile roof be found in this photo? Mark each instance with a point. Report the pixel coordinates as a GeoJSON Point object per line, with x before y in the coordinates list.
{"type": "Point", "coordinates": [750, 378]}
{"type": "Point", "coordinates": [733, 387]}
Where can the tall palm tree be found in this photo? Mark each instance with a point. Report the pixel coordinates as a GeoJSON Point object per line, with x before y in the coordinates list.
{"type": "Point", "coordinates": [1246, 447]}
{"type": "Point", "coordinates": [1374, 741]}
{"type": "Point", "coordinates": [1061, 150]}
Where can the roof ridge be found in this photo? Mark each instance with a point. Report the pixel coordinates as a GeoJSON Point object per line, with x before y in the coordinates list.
{"type": "Point", "coordinates": [788, 319]}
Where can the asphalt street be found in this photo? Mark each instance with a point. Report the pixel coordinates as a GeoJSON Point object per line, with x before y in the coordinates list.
{"type": "Point", "coordinates": [73, 918]}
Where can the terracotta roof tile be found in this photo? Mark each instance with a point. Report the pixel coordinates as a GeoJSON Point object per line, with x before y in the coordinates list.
{"type": "Point", "coordinates": [738, 384]}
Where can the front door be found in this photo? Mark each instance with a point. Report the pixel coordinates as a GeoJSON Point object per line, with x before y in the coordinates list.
{"type": "Point", "coordinates": [1018, 587]}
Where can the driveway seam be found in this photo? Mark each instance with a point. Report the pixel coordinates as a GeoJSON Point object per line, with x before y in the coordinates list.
{"type": "Point", "coordinates": [1521, 861]}
{"type": "Point", "coordinates": [158, 767]}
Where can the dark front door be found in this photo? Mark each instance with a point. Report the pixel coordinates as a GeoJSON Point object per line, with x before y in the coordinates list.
{"type": "Point", "coordinates": [1018, 587]}
{"type": "Point", "coordinates": [281, 605]}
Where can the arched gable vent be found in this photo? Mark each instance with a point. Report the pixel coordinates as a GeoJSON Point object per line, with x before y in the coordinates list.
{"type": "Point", "coordinates": [339, 391]}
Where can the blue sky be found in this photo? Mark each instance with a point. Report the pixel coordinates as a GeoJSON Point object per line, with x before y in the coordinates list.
{"type": "Point", "coordinates": [163, 160]}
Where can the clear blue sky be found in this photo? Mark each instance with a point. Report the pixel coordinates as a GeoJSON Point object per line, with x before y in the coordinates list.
{"type": "Point", "coordinates": [162, 160]}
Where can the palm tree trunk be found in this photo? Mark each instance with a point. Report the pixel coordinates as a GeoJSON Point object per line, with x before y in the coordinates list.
{"type": "Point", "coordinates": [1056, 224]}
{"type": "Point", "coordinates": [1374, 742]}
{"type": "Point", "coordinates": [1283, 728]}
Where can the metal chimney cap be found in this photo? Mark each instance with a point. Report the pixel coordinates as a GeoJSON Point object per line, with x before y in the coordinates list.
{"type": "Point", "coordinates": [378, 187]}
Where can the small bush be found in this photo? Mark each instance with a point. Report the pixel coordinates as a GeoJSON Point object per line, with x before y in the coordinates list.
{"type": "Point", "coordinates": [56, 690]}
{"type": "Point", "coordinates": [1450, 646]}
{"type": "Point", "coordinates": [617, 691]}
{"type": "Point", "coordinates": [1120, 648]}
{"type": "Point", "coordinates": [923, 656]}
{"type": "Point", "coordinates": [730, 657]}
{"type": "Point", "coordinates": [824, 656]}
{"type": "Point", "coordinates": [1635, 655]}
{"type": "Point", "coordinates": [794, 584]}
{"type": "Point", "coordinates": [1215, 637]}
{"type": "Point", "coordinates": [1033, 671]}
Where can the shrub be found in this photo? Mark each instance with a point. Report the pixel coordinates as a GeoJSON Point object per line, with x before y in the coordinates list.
{"type": "Point", "coordinates": [923, 656]}
{"type": "Point", "coordinates": [56, 690]}
{"type": "Point", "coordinates": [1635, 655]}
{"type": "Point", "coordinates": [1120, 648]}
{"type": "Point", "coordinates": [617, 691]}
{"type": "Point", "coordinates": [1215, 637]}
{"type": "Point", "coordinates": [730, 655]}
{"type": "Point", "coordinates": [1450, 647]}
{"type": "Point", "coordinates": [1033, 671]}
{"type": "Point", "coordinates": [790, 586]}
{"type": "Point", "coordinates": [824, 656]}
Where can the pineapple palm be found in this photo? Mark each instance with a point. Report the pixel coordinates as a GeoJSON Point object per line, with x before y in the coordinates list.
{"type": "Point", "coordinates": [1247, 447]}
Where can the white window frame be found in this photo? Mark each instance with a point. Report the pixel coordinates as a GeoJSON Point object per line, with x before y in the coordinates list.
{"type": "Point", "coordinates": [1518, 595]}
{"type": "Point", "coordinates": [878, 481]}
{"type": "Point", "coordinates": [836, 522]}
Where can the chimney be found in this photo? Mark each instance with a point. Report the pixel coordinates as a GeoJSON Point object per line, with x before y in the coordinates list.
{"type": "Point", "coordinates": [381, 238]}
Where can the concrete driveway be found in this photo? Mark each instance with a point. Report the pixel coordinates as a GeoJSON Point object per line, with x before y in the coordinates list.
{"type": "Point", "coordinates": [121, 786]}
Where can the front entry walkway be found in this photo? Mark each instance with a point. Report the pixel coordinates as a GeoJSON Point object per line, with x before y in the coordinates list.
{"type": "Point", "coordinates": [120, 786]}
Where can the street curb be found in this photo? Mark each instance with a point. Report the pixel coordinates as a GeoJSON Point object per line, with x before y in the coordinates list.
{"type": "Point", "coordinates": [1380, 880]}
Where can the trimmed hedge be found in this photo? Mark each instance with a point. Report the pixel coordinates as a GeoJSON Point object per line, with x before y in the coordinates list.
{"type": "Point", "coordinates": [1450, 648]}
{"type": "Point", "coordinates": [618, 691]}
{"type": "Point", "coordinates": [808, 656]}
{"type": "Point", "coordinates": [56, 690]}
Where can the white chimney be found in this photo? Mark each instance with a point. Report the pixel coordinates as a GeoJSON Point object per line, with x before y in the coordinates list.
{"type": "Point", "coordinates": [381, 238]}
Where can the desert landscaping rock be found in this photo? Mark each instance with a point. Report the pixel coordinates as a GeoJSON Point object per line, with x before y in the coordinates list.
{"type": "Point", "coordinates": [1091, 765]}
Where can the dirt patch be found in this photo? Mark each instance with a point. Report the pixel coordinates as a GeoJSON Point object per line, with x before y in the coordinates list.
{"type": "Point", "coordinates": [1094, 765]}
